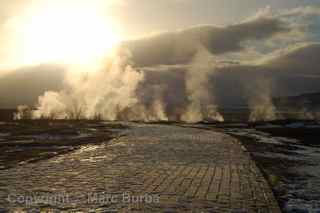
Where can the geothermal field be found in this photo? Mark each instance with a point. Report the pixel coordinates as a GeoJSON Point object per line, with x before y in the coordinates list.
{"type": "Point", "coordinates": [171, 106]}
{"type": "Point", "coordinates": [60, 165]}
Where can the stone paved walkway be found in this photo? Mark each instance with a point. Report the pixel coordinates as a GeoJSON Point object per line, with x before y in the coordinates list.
{"type": "Point", "coordinates": [153, 168]}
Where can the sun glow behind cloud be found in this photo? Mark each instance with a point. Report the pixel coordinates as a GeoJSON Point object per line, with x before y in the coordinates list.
{"type": "Point", "coordinates": [57, 31]}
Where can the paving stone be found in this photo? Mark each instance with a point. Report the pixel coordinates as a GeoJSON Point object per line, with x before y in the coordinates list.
{"type": "Point", "coordinates": [179, 169]}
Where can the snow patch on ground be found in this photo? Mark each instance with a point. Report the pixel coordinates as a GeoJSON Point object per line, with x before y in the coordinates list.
{"type": "Point", "coordinates": [302, 190]}
{"type": "Point", "coordinates": [261, 137]}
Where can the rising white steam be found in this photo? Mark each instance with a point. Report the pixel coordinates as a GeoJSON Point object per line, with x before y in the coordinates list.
{"type": "Point", "coordinates": [201, 106]}
{"type": "Point", "coordinates": [23, 113]}
{"type": "Point", "coordinates": [102, 93]}
{"type": "Point", "coordinates": [113, 92]}
{"type": "Point", "coordinates": [260, 103]}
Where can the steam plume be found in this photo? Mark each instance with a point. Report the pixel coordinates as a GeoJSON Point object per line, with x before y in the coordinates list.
{"type": "Point", "coordinates": [102, 93]}
{"type": "Point", "coordinates": [111, 93]}
{"type": "Point", "coordinates": [260, 102]}
{"type": "Point", "coordinates": [201, 106]}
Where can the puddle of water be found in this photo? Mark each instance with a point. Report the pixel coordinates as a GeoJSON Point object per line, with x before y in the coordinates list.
{"type": "Point", "coordinates": [4, 134]}
{"type": "Point", "coordinates": [87, 148]}
{"type": "Point", "coordinates": [23, 141]}
{"type": "Point", "coordinates": [99, 158]}
{"type": "Point", "coordinates": [58, 159]}
{"type": "Point", "coordinates": [55, 137]}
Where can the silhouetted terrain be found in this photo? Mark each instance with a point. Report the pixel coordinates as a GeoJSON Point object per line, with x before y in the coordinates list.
{"type": "Point", "coordinates": [310, 101]}
{"type": "Point", "coordinates": [7, 114]}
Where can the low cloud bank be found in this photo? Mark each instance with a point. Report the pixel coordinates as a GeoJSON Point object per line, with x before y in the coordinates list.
{"type": "Point", "coordinates": [188, 74]}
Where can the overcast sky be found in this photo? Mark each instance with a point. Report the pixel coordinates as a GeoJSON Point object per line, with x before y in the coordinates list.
{"type": "Point", "coordinates": [244, 37]}
{"type": "Point", "coordinates": [140, 17]}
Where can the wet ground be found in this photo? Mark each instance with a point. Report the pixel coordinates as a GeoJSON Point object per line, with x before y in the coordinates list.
{"type": "Point", "coordinates": [127, 167]}
{"type": "Point", "coordinates": [288, 153]}
{"type": "Point", "coordinates": [31, 141]}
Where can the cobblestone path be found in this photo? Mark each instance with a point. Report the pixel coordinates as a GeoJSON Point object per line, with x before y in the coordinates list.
{"type": "Point", "coordinates": [153, 168]}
